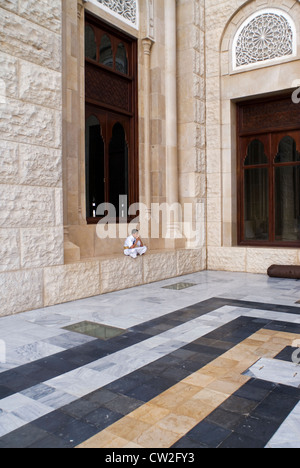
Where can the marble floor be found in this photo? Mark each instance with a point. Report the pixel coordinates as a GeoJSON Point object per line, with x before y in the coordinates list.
{"type": "Point", "coordinates": [203, 361]}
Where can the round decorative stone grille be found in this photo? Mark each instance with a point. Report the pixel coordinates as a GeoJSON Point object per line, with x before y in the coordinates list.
{"type": "Point", "coordinates": [268, 36]}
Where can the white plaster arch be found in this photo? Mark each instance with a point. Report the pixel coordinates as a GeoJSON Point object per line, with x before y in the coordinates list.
{"type": "Point", "coordinates": [272, 37]}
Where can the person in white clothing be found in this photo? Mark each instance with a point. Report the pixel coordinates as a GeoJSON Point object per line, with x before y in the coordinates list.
{"type": "Point", "coordinates": [134, 246]}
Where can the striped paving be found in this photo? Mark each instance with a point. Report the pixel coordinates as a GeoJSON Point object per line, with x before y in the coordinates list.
{"type": "Point", "coordinates": [176, 379]}
{"type": "Point", "coordinates": [171, 415]}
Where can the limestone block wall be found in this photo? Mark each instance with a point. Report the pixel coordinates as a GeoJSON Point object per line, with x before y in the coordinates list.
{"type": "Point", "coordinates": [225, 86]}
{"type": "Point", "coordinates": [23, 290]}
{"type": "Point", "coordinates": [85, 279]}
{"type": "Point", "coordinates": [41, 97]}
{"type": "Point", "coordinates": [31, 224]}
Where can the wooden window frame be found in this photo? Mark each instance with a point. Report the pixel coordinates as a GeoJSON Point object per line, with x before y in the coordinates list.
{"type": "Point", "coordinates": [129, 80]}
{"type": "Point", "coordinates": [266, 133]}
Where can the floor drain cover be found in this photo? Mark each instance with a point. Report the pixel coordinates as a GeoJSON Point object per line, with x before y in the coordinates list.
{"type": "Point", "coordinates": [96, 330]}
{"type": "Point", "coordinates": [179, 286]}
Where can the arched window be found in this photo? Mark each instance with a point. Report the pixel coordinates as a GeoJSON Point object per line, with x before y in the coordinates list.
{"type": "Point", "coordinates": [268, 172]}
{"type": "Point", "coordinates": [266, 36]}
{"type": "Point", "coordinates": [118, 166]}
{"type": "Point", "coordinates": [287, 151]}
{"type": "Point", "coordinates": [121, 59]}
{"type": "Point", "coordinates": [112, 175]}
{"type": "Point", "coordinates": [287, 191]}
{"type": "Point", "coordinates": [90, 43]}
{"type": "Point", "coordinates": [95, 165]}
{"type": "Point", "coordinates": [256, 154]}
{"type": "Point", "coordinates": [256, 192]}
{"type": "Point", "coordinates": [106, 54]}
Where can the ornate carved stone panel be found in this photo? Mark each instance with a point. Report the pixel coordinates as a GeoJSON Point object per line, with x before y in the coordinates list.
{"type": "Point", "coordinates": [126, 9]}
{"type": "Point", "coordinates": [267, 36]}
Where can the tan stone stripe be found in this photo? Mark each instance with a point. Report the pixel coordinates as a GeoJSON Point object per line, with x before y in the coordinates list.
{"type": "Point", "coordinates": [171, 415]}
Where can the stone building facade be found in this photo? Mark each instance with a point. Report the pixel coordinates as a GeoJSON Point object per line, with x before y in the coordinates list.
{"type": "Point", "coordinates": [196, 71]}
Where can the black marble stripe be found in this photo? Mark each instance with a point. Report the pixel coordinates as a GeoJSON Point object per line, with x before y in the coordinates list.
{"type": "Point", "coordinates": [248, 419]}
{"type": "Point", "coordinates": [262, 306]}
{"type": "Point", "coordinates": [31, 374]}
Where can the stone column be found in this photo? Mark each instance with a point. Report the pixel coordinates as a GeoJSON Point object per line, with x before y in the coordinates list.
{"type": "Point", "coordinates": [147, 44]}
{"type": "Point", "coordinates": [172, 192]}
{"type": "Point", "coordinates": [72, 11]}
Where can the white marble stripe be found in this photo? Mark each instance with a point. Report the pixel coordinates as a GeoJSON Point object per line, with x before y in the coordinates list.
{"type": "Point", "coordinates": [288, 435]}
{"type": "Point", "coordinates": [133, 358]}
{"type": "Point", "coordinates": [276, 371]}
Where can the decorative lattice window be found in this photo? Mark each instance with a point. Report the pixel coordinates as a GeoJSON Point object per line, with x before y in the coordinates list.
{"type": "Point", "coordinates": [126, 10]}
{"type": "Point", "coordinates": [265, 36]}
